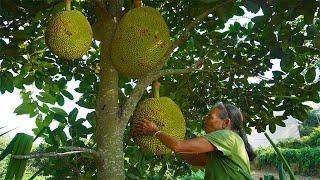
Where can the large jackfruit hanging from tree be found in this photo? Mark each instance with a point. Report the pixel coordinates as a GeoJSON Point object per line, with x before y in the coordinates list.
{"type": "Point", "coordinates": [140, 41]}
{"type": "Point", "coordinates": [168, 117]}
{"type": "Point", "coordinates": [69, 35]}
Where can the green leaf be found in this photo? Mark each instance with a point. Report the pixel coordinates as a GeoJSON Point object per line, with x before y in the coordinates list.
{"type": "Point", "coordinates": [272, 128]}
{"type": "Point", "coordinates": [60, 100]}
{"type": "Point", "coordinates": [312, 30]}
{"type": "Point", "coordinates": [67, 94]}
{"type": "Point", "coordinates": [44, 108]}
{"type": "Point", "coordinates": [46, 97]}
{"type": "Point", "coordinates": [73, 116]}
{"type": "Point", "coordinates": [47, 120]}
{"type": "Point", "coordinates": [25, 108]}
{"type": "Point", "coordinates": [39, 122]}
{"type": "Point", "coordinates": [59, 111]}
{"type": "Point", "coordinates": [252, 6]}
{"type": "Point", "coordinates": [8, 149]}
{"type": "Point", "coordinates": [239, 11]}
{"type": "Point", "coordinates": [59, 118]}
{"type": "Point", "coordinates": [310, 75]}
{"type": "Point", "coordinates": [63, 137]}
{"type": "Point", "coordinates": [250, 25]}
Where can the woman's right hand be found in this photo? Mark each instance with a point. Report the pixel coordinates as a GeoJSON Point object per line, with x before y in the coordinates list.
{"type": "Point", "coordinates": [144, 127]}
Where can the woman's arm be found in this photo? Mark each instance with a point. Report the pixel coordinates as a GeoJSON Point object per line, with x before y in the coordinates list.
{"type": "Point", "coordinates": [191, 146]}
{"type": "Point", "coordinates": [199, 160]}
{"type": "Point", "coordinates": [195, 145]}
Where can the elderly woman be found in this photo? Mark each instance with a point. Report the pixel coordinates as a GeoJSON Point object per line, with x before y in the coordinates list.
{"type": "Point", "coordinates": [224, 150]}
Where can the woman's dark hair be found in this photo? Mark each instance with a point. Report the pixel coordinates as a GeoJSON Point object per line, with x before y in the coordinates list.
{"type": "Point", "coordinates": [229, 111]}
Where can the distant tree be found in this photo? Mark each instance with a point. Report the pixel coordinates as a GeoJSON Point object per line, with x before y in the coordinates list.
{"type": "Point", "coordinates": [313, 118]}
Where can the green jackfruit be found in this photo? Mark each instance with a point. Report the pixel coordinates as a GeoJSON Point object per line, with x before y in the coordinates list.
{"type": "Point", "coordinates": [69, 34]}
{"type": "Point", "coordinates": [140, 41]}
{"type": "Point", "coordinates": [167, 115]}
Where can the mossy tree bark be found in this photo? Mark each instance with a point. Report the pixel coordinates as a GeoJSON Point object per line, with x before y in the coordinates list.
{"type": "Point", "coordinates": [109, 135]}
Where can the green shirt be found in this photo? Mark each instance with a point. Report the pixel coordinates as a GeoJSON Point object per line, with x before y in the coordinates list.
{"type": "Point", "coordinates": [230, 161]}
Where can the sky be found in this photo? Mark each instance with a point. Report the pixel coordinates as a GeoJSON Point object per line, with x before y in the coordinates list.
{"type": "Point", "coordinates": [22, 123]}
{"type": "Point", "coordinates": [25, 124]}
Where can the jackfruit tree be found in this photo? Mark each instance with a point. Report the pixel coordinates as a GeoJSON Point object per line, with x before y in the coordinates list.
{"type": "Point", "coordinates": [263, 56]}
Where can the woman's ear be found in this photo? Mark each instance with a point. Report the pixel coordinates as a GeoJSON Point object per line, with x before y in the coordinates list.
{"type": "Point", "coordinates": [226, 123]}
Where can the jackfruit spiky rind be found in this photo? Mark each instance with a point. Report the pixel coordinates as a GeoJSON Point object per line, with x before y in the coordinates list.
{"type": "Point", "coordinates": [68, 35]}
{"type": "Point", "coordinates": [140, 41]}
{"type": "Point", "coordinates": [167, 115]}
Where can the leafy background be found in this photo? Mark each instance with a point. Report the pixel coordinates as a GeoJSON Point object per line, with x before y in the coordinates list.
{"type": "Point", "coordinates": [287, 31]}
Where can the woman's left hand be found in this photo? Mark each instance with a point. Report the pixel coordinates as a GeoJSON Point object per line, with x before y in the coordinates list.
{"type": "Point", "coordinates": [144, 127]}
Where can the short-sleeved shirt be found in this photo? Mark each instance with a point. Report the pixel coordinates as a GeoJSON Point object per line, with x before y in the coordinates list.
{"type": "Point", "coordinates": [230, 161]}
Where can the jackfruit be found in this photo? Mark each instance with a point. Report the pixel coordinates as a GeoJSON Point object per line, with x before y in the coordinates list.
{"type": "Point", "coordinates": [140, 42]}
{"type": "Point", "coordinates": [68, 34]}
{"type": "Point", "coordinates": [168, 117]}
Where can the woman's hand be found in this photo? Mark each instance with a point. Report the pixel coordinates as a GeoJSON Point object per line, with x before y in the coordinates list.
{"type": "Point", "coordinates": [144, 127]}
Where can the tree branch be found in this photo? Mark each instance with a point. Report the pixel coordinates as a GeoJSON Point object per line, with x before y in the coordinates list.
{"type": "Point", "coordinates": [184, 35]}
{"type": "Point", "coordinates": [143, 83]}
{"type": "Point", "coordinates": [44, 155]}
{"type": "Point", "coordinates": [87, 150]}
{"type": "Point", "coordinates": [74, 150]}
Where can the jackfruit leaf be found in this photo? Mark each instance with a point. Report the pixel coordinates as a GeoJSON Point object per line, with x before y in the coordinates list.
{"type": "Point", "coordinates": [59, 111]}
{"type": "Point", "coordinates": [67, 94]}
{"type": "Point", "coordinates": [252, 6]}
{"type": "Point", "coordinates": [62, 135]}
{"type": "Point", "coordinates": [78, 130]}
{"type": "Point", "coordinates": [310, 75]}
{"type": "Point", "coordinates": [47, 120]}
{"type": "Point", "coordinates": [38, 83]}
{"type": "Point", "coordinates": [312, 30]}
{"type": "Point", "coordinates": [272, 128]}
{"type": "Point", "coordinates": [277, 74]}
{"type": "Point", "coordinates": [44, 108]}
{"type": "Point", "coordinates": [52, 138]}
{"type": "Point", "coordinates": [90, 118]}
{"type": "Point", "coordinates": [25, 108]}
{"type": "Point", "coordinates": [239, 11]}
{"type": "Point", "coordinates": [39, 122]}
{"type": "Point", "coordinates": [286, 63]}
{"type": "Point", "coordinates": [60, 100]}
{"type": "Point", "coordinates": [59, 118]}
{"type": "Point", "coordinates": [46, 98]}
{"type": "Point", "coordinates": [281, 123]}
{"type": "Point", "coordinates": [73, 116]}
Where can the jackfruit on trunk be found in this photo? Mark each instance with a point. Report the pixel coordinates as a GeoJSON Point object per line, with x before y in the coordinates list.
{"type": "Point", "coordinates": [167, 115]}
{"type": "Point", "coordinates": [140, 42]}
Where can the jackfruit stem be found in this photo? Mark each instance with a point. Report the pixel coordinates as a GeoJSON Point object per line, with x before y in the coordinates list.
{"type": "Point", "coordinates": [155, 89]}
{"type": "Point", "coordinates": [137, 3]}
{"type": "Point", "coordinates": [68, 5]}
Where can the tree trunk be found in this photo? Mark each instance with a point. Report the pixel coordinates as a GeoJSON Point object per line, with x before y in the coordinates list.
{"type": "Point", "coordinates": [109, 134]}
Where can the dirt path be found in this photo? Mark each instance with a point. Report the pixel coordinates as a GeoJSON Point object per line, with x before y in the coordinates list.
{"type": "Point", "coordinates": [257, 174]}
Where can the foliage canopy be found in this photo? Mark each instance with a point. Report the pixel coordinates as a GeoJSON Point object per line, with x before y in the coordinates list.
{"type": "Point", "coordinates": [286, 31]}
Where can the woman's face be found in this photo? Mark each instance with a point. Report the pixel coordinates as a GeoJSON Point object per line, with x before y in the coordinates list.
{"type": "Point", "coordinates": [212, 121]}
